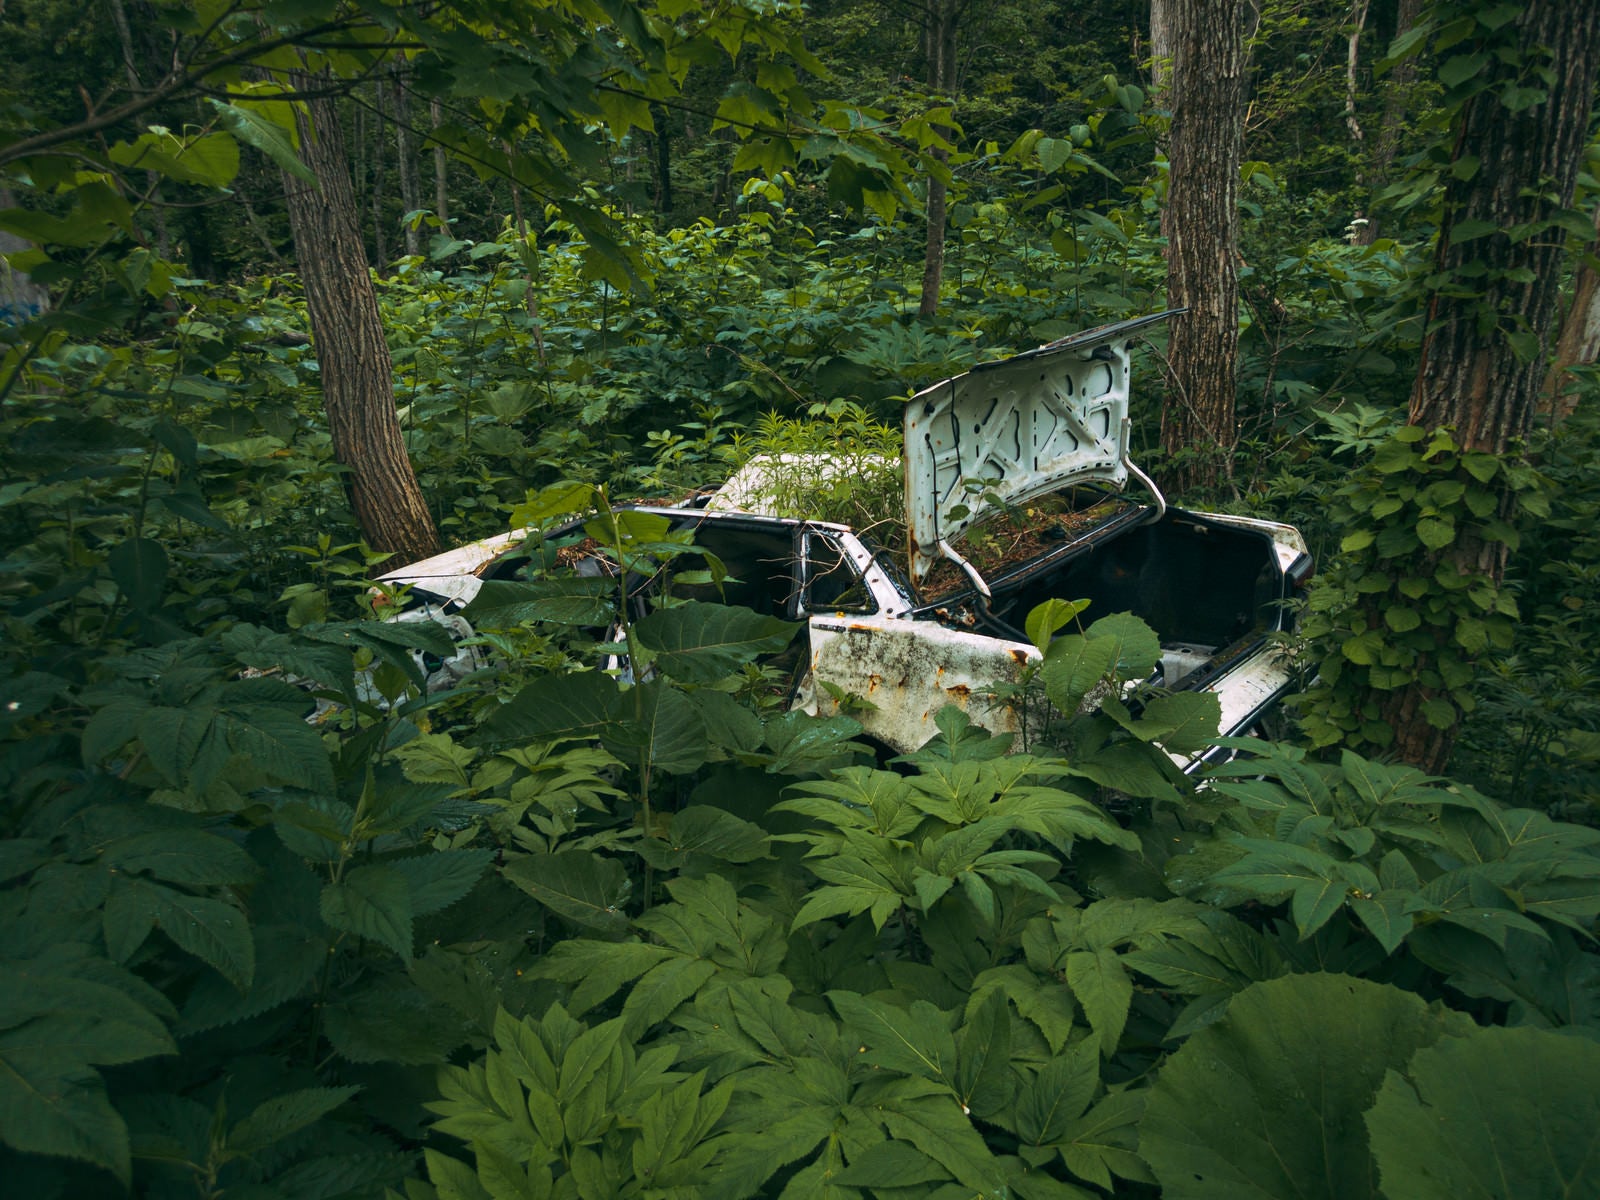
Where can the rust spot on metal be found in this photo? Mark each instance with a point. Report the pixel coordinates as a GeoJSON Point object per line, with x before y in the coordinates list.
{"type": "Point", "coordinates": [872, 683]}
{"type": "Point", "coordinates": [1021, 656]}
{"type": "Point", "coordinates": [857, 627]}
{"type": "Point", "coordinates": [960, 692]}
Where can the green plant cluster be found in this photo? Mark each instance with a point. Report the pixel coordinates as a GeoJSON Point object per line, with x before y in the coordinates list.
{"type": "Point", "coordinates": [1392, 611]}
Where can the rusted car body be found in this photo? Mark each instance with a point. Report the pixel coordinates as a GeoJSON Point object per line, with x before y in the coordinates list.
{"type": "Point", "coordinates": [1047, 431]}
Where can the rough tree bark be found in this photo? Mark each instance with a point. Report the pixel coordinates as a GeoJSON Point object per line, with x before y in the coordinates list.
{"type": "Point", "coordinates": [1474, 376]}
{"type": "Point", "coordinates": [347, 335]}
{"type": "Point", "coordinates": [406, 154]}
{"type": "Point", "coordinates": [1398, 91]}
{"type": "Point", "coordinates": [441, 178]}
{"type": "Point", "coordinates": [1579, 341]}
{"type": "Point", "coordinates": [1160, 45]}
{"type": "Point", "coordinates": [1202, 224]}
{"type": "Point", "coordinates": [939, 44]}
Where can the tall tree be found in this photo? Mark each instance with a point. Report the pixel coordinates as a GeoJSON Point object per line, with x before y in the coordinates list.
{"type": "Point", "coordinates": [347, 334]}
{"type": "Point", "coordinates": [940, 20]}
{"type": "Point", "coordinates": [1202, 225]}
{"type": "Point", "coordinates": [1521, 91]}
{"type": "Point", "coordinates": [1579, 341]}
{"type": "Point", "coordinates": [1398, 93]}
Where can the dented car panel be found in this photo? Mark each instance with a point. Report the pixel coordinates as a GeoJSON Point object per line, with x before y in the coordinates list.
{"type": "Point", "coordinates": [909, 670]}
{"type": "Point", "coordinates": [1214, 587]}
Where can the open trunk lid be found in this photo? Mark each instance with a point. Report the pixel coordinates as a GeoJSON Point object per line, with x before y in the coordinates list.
{"type": "Point", "coordinates": [1010, 430]}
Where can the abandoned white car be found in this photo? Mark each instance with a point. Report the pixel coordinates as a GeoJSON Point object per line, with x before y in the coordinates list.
{"type": "Point", "coordinates": [917, 629]}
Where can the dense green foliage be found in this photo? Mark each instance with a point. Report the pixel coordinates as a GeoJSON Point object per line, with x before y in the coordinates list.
{"type": "Point", "coordinates": [569, 930]}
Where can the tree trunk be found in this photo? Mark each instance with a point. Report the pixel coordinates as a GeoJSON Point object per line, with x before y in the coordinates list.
{"type": "Point", "coordinates": [1352, 73]}
{"type": "Point", "coordinates": [405, 148]}
{"type": "Point", "coordinates": [347, 335]}
{"type": "Point", "coordinates": [939, 41]}
{"type": "Point", "coordinates": [1483, 358]}
{"type": "Point", "coordinates": [374, 143]}
{"type": "Point", "coordinates": [1396, 101]}
{"type": "Point", "coordinates": [1579, 341]}
{"type": "Point", "coordinates": [441, 179]}
{"type": "Point", "coordinates": [1160, 45]}
{"type": "Point", "coordinates": [661, 140]}
{"type": "Point", "coordinates": [1202, 222]}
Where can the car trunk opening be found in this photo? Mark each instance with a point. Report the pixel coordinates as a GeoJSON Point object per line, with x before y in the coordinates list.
{"type": "Point", "coordinates": [1204, 587]}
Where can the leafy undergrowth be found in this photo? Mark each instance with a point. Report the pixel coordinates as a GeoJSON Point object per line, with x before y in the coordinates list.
{"type": "Point", "coordinates": [558, 935]}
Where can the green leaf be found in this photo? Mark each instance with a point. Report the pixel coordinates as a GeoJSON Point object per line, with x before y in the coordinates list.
{"type": "Point", "coordinates": [1267, 1102]}
{"type": "Point", "coordinates": [284, 1114]}
{"type": "Point", "coordinates": [1073, 666]}
{"type": "Point", "coordinates": [372, 902]}
{"type": "Point", "coordinates": [44, 1110]}
{"type": "Point", "coordinates": [984, 1082]}
{"type": "Point", "coordinates": [1045, 620]}
{"type": "Point", "coordinates": [698, 642]}
{"type": "Point", "coordinates": [579, 885]}
{"type": "Point", "coordinates": [562, 600]}
{"type": "Point", "coordinates": [213, 931]}
{"type": "Point", "coordinates": [185, 856]}
{"type": "Point", "coordinates": [1058, 1094]}
{"type": "Point", "coordinates": [256, 129]}
{"type": "Point", "coordinates": [439, 879]}
{"type": "Point", "coordinates": [210, 160]}
{"type": "Point", "coordinates": [664, 987]}
{"type": "Point", "coordinates": [661, 723]}
{"type": "Point", "coordinates": [139, 567]}
{"type": "Point", "coordinates": [1105, 992]}
{"type": "Point", "coordinates": [915, 1040]}
{"type": "Point", "coordinates": [1504, 1114]}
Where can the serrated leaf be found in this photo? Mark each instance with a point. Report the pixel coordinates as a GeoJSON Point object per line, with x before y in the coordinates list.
{"type": "Point", "coordinates": [579, 885]}
{"type": "Point", "coordinates": [372, 902]}
{"type": "Point", "coordinates": [215, 932]}
{"type": "Point", "coordinates": [984, 1082]}
{"type": "Point", "coordinates": [68, 1116]}
{"type": "Point", "coordinates": [698, 642]}
{"type": "Point", "coordinates": [1058, 1094]}
{"type": "Point", "coordinates": [284, 1114]}
{"type": "Point", "coordinates": [1267, 1101]}
{"type": "Point", "coordinates": [563, 600]}
{"type": "Point", "coordinates": [1104, 991]}
{"type": "Point", "coordinates": [184, 856]}
{"type": "Point", "coordinates": [915, 1040]}
{"type": "Point", "coordinates": [439, 879]}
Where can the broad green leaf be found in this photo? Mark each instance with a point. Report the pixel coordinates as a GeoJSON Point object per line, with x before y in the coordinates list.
{"type": "Point", "coordinates": [1045, 620]}
{"type": "Point", "coordinates": [139, 566]}
{"type": "Point", "coordinates": [915, 1040]}
{"type": "Point", "coordinates": [439, 879]}
{"type": "Point", "coordinates": [562, 600]}
{"type": "Point", "coordinates": [1268, 1101]}
{"type": "Point", "coordinates": [1138, 648]}
{"type": "Point", "coordinates": [658, 721]}
{"type": "Point", "coordinates": [653, 998]}
{"type": "Point", "coordinates": [1502, 1114]}
{"type": "Point", "coordinates": [984, 1082]}
{"type": "Point", "coordinates": [372, 902]}
{"type": "Point", "coordinates": [1105, 992]}
{"type": "Point", "coordinates": [284, 1114]}
{"type": "Point", "coordinates": [213, 931]}
{"type": "Point", "coordinates": [698, 642]}
{"type": "Point", "coordinates": [1058, 1094]}
{"type": "Point", "coordinates": [1074, 666]}
{"type": "Point", "coordinates": [585, 704]}
{"type": "Point", "coordinates": [579, 885]}
{"type": "Point", "coordinates": [45, 1109]}
{"type": "Point", "coordinates": [255, 127]}
{"type": "Point", "coordinates": [184, 856]}
{"type": "Point", "coordinates": [211, 160]}
{"type": "Point", "coordinates": [1101, 1143]}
